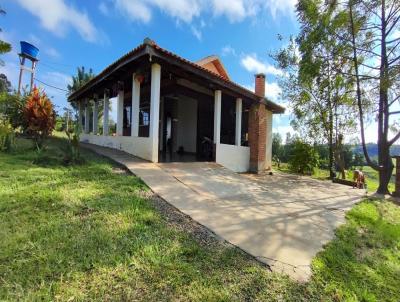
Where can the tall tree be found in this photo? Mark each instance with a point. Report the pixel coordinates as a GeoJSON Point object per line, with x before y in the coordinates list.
{"type": "Point", "coordinates": [315, 87]}
{"type": "Point", "coordinates": [373, 32]}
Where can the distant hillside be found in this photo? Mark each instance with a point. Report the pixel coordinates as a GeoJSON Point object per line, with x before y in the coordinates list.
{"type": "Point", "coordinates": [373, 149]}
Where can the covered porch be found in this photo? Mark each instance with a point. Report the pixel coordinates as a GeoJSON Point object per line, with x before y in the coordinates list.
{"type": "Point", "coordinates": [170, 109]}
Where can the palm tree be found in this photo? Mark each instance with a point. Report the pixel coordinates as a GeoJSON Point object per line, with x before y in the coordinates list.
{"type": "Point", "coordinates": [80, 79]}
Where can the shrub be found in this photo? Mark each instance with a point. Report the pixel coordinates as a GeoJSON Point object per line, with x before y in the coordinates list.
{"type": "Point", "coordinates": [303, 158]}
{"type": "Point", "coordinates": [40, 116]}
{"type": "Point", "coordinates": [72, 154]}
{"type": "Point", "coordinates": [7, 137]}
{"type": "Point", "coordinates": [12, 109]}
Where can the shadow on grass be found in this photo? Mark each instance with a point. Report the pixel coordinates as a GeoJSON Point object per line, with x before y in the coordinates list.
{"type": "Point", "coordinates": [362, 263]}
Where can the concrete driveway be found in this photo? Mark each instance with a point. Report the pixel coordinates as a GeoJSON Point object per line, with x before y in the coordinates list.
{"type": "Point", "coordinates": [282, 220]}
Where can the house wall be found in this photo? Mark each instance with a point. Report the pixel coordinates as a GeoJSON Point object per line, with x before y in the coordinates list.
{"type": "Point", "coordinates": [268, 148]}
{"type": "Point", "coordinates": [187, 124]}
{"type": "Point", "coordinates": [235, 158]}
{"type": "Point", "coordinates": [138, 146]}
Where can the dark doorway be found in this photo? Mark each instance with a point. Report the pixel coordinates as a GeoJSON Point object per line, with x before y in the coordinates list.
{"type": "Point", "coordinates": [205, 130]}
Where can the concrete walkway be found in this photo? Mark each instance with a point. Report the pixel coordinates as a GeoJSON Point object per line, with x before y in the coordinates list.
{"type": "Point", "coordinates": [282, 220]}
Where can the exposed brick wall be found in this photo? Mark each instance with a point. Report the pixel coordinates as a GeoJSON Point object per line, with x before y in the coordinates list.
{"type": "Point", "coordinates": [260, 85]}
{"type": "Point", "coordinates": [257, 137]}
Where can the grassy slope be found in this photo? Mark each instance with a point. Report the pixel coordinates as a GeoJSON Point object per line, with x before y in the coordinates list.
{"type": "Point", "coordinates": [86, 233]}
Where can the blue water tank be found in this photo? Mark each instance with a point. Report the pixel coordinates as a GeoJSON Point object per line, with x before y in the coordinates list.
{"type": "Point", "coordinates": [29, 49]}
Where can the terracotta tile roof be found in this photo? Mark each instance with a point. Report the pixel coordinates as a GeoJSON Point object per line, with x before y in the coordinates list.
{"type": "Point", "coordinates": [147, 42]}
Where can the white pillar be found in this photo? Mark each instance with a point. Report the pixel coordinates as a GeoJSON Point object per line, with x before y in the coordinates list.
{"type": "Point", "coordinates": [155, 109]}
{"type": "Point", "coordinates": [95, 117]}
{"type": "Point", "coordinates": [238, 129]}
{"type": "Point", "coordinates": [135, 106]}
{"type": "Point", "coordinates": [80, 116]}
{"type": "Point", "coordinates": [87, 117]}
{"type": "Point", "coordinates": [217, 116]}
{"type": "Point", "coordinates": [120, 113]}
{"type": "Point", "coordinates": [106, 105]}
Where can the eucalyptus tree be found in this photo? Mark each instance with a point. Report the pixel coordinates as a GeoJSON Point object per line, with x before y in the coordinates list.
{"type": "Point", "coordinates": [372, 31]}
{"type": "Point", "coordinates": [313, 82]}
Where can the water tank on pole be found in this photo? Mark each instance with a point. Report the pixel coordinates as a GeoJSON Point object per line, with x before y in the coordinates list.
{"type": "Point", "coordinates": [30, 52]}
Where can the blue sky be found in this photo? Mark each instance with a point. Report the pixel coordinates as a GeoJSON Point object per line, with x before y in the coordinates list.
{"type": "Point", "coordinates": [95, 33]}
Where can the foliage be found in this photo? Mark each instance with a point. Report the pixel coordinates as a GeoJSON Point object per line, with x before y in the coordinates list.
{"type": "Point", "coordinates": [277, 148]}
{"type": "Point", "coordinates": [5, 84]}
{"type": "Point", "coordinates": [12, 108]}
{"type": "Point", "coordinates": [72, 153]}
{"type": "Point", "coordinates": [40, 116]}
{"type": "Point", "coordinates": [303, 158]}
{"type": "Point", "coordinates": [312, 82]}
{"type": "Point", "coordinates": [4, 46]}
{"type": "Point", "coordinates": [375, 62]}
{"type": "Point", "coordinates": [78, 80]}
{"type": "Point", "coordinates": [7, 137]}
{"type": "Point", "coordinates": [357, 41]}
{"type": "Point", "coordinates": [60, 124]}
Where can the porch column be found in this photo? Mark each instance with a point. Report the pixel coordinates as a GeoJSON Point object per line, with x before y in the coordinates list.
{"type": "Point", "coordinates": [135, 106]}
{"type": "Point", "coordinates": [155, 109]}
{"type": "Point", "coordinates": [80, 116]}
{"type": "Point", "coordinates": [238, 129]}
{"type": "Point", "coordinates": [217, 116]}
{"type": "Point", "coordinates": [106, 105]}
{"type": "Point", "coordinates": [87, 117]}
{"type": "Point", "coordinates": [95, 116]}
{"type": "Point", "coordinates": [120, 113]}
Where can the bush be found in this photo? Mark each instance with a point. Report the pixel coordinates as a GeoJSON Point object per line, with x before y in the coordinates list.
{"type": "Point", "coordinates": [60, 124]}
{"type": "Point", "coordinates": [303, 158]}
{"type": "Point", "coordinates": [12, 109]}
{"type": "Point", "coordinates": [72, 154]}
{"type": "Point", "coordinates": [7, 138]}
{"type": "Point", "coordinates": [40, 116]}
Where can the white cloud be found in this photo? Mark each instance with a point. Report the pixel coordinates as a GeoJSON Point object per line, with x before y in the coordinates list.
{"type": "Point", "coordinates": [283, 7]}
{"type": "Point", "coordinates": [235, 10]}
{"type": "Point", "coordinates": [52, 52]}
{"type": "Point", "coordinates": [141, 10]}
{"type": "Point", "coordinates": [104, 9]}
{"type": "Point", "coordinates": [197, 33]}
{"type": "Point", "coordinates": [187, 10]}
{"type": "Point", "coordinates": [135, 10]}
{"type": "Point", "coordinates": [272, 91]}
{"type": "Point", "coordinates": [252, 64]}
{"type": "Point", "coordinates": [56, 16]}
{"type": "Point", "coordinates": [228, 50]}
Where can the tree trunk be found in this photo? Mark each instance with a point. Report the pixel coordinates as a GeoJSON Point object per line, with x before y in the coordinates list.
{"type": "Point", "coordinates": [384, 159]}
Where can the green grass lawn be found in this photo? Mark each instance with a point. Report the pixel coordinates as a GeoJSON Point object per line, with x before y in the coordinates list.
{"type": "Point", "coordinates": [372, 177]}
{"type": "Point", "coordinates": [87, 233]}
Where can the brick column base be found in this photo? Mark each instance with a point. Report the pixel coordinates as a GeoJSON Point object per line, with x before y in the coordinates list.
{"type": "Point", "coordinates": [257, 137]}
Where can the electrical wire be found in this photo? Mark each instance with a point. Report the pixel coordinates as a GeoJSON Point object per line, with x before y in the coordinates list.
{"type": "Point", "coordinates": [62, 89]}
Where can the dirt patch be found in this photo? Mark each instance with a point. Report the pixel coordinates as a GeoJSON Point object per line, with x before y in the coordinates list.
{"type": "Point", "coordinates": [120, 171]}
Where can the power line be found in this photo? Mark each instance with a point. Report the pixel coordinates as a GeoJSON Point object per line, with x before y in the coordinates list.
{"type": "Point", "coordinates": [62, 89]}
